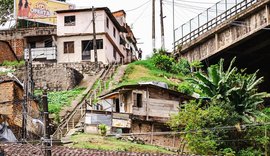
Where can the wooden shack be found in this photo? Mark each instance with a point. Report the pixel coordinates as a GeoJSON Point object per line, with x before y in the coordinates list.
{"type": "Point", "coordinates": [135, 108]}
{"type": "Point", "coordinates": [11, 100]}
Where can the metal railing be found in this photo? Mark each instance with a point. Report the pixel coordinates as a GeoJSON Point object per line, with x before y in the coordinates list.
{"type": "Point", "coordinates": [80, 109]}
{"type": "Point", "coordinates": [210, 18]}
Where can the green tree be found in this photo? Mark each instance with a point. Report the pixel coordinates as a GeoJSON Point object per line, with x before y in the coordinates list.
{"type": "Point", "coordinates": [234, 100]}
{"type": "Point", "coordinates": [236, 88]}
{"type": "Point", "coordinates": [6, 10]}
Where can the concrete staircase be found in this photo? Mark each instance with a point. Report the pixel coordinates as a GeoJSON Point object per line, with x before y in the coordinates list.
{"type": "Point", "coordinates": [73, 122]}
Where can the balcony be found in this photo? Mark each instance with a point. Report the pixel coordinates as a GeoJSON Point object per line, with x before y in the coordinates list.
{"type": "Point", "coordinates": [48, 53]}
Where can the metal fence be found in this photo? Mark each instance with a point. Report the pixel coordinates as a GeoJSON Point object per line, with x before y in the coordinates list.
{"type": "Point", "coordinates": [210, 18]}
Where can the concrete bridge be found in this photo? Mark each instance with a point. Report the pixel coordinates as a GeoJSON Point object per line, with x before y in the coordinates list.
{"type": "Point", "coordinates": [241, 30]}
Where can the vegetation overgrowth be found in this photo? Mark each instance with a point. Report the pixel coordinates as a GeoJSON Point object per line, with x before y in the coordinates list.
{"type": "Point", "coordinates": [229, 118]}
{"type": "Point", "coordinates": [12, 63]}
{"type": "Point", "coordinates": [59, 99]}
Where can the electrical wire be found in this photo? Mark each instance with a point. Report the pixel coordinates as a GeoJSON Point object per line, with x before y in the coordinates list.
{"type": "Point", "coordinates": [140, 15]}
{"type": "Point", "coordinates": [138, 6]}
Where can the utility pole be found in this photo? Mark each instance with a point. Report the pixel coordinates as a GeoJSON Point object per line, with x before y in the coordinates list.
{"type": "Point", "coordinates": [26, 95]}
{"type": "Point", "coordinates": [162, 26]}
{"type": "Point", "coordinates": [173, 29]}
{"type": "Point", "coordinates": [153, 26]}
{"type": "Point", "coordinates": [47, 144]}
{"type": "Point", "coordinates": [94, 37]}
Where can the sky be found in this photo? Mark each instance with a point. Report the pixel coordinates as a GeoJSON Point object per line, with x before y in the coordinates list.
{"type": "Point", "coordinates": [139, 16]}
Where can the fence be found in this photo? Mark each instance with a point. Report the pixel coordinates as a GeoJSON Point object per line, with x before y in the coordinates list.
{"type": "Point", "coordinates": [210, 18]}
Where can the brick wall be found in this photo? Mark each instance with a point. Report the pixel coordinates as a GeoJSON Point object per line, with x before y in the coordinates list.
{"type": "Point", "coordinates": [11, 98]}
{"type": "Point", "coordinates": [6, 53]}
{"type": "Point", "coordinates": [18, 47]}
{"type": "Point", "coordinates": [6, 92]}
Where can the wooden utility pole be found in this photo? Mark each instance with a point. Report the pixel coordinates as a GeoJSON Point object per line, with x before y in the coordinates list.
{"type": "Point", "coordinates": [94, 36]}
{"type": "Point", "coordinates": [153, 26]}
{"type": "Point", "coordinates": [47, 144]}
{"type": "Point", "coordinates": [162, 26]}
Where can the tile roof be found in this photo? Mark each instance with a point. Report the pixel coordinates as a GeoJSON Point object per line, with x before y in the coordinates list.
{"type": "Point", "coordinates": [34, 150]}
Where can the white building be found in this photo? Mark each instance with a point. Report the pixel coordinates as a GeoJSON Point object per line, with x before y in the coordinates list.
{"type": "Point", "coordinates": [75, 36]}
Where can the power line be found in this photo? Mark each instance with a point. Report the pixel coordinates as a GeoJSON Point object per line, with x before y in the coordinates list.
{"type": "Point", "coordinates": [140, 15]}
{"type": "Point", "coordinates": [138, 6]}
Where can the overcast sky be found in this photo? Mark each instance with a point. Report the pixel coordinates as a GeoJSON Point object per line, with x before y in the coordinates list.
{"type": "Point", "coordinates": [140, 18]}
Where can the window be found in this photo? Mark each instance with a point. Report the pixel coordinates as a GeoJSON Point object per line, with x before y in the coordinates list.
{"type": "Point", "coordinates": [117, 105]}
{"type": "Point", "coordinates": [87, 45]}
{"type": "Point", "coordinates": [48, 43]}
{"type": "Point", "coordinates": [114, 53]}
{"type": "Point", "coordinates": [70, 20]}
{"type": "Point", "coordinates": [107, 22]}
{"type": "Point", "coordinates": [100, 44]}
{"type": "Point", "coordinates": [113, 32]}
{"type": "Point", "coordinates": [32, 44]}
{"type": "Point", "coordinates": [68, 47]}
{"type": "Point", "coordinates": [90, 44]}
{"type": "Point", "coordinates": [137, 99]}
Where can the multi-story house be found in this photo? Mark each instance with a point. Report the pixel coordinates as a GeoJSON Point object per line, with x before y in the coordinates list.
{"type": "Point", "coordinates": [75, 36]}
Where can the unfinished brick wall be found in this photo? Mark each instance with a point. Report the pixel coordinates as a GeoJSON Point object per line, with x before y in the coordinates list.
{"type": "Point", "coordinates": [6, 52]}
{"type": "Point", "coordinates": [11, 99]}
{"type": "Point", "coordinates": [18, 47]}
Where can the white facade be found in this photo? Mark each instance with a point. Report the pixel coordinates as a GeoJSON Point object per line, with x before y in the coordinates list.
{"type": "Point", "coordinates": [82, 29]}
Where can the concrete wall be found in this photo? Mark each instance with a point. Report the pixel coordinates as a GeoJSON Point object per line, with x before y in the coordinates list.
{"type": "Point", "coordinates": [58, 76]}
{"type": "Point", "coordinates": [77, 55]}
{"type": "Point", "coordinates": [83, 23]}
{"type": "Point", "coordinates": [227, 35]}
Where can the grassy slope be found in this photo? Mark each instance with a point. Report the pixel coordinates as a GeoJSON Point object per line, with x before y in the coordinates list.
{"type": "Point", "coordinates": [92, 141]}
{"type": "Point", "coordinates": [59, 99]}
{"type": "Point", "coordinates": [145, 71]}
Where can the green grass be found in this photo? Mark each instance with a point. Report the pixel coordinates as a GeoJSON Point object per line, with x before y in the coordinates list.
{"type": "Point", "coordinates": [145, 71]}
{"type": "Point", "coordinates": [91, 141]}
{"type": "Point", "coordinates": [59, 99]}
{"type": "Point", "coordinates": [13, 63]}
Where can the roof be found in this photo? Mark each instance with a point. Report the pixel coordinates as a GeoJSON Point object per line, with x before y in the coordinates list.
{"type": "Point", "coordinates": [119, 13]}
{"type": "Point", "coordinates": [35, 150]}
{"type": "Point", "coordinates": [145, 85]}
{"type": "Point", "coordinates": [107, 10]}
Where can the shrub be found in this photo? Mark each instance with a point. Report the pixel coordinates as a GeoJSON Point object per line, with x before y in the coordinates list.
{"type": "Point", "coordinates": [103, 129]}
{"type": "Point", "coordinates": [13, 63]}
{"type": "Point", "coordinates": [182, 66]}
{"type": "Point", "coordinates": [163, 62]}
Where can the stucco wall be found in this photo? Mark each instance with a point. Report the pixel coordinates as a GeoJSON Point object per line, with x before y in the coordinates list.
{"type": "Point", "coordinates": [77, 55]}
{"type": "Point", "coordinates": [83, 23]}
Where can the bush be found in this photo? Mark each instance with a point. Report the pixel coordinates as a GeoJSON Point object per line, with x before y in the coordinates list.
{"type": "Point", "coordinates": [163, 62]}
{"type": "Point", "coordinates": [181, 67]}
{"type": "Point", "coordinates": [186, 88]}
{"type": "Point", "coordinates": [103, 129]}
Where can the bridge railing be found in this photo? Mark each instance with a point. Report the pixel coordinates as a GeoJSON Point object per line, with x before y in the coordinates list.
{"type": "Point", "coordinates": [210, 18]}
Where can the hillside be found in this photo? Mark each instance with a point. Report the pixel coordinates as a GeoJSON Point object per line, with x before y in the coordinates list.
{"type": "Point", "coordinates": [145, 71]}
{"type": "Point", "coordinates": [91, 141]}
